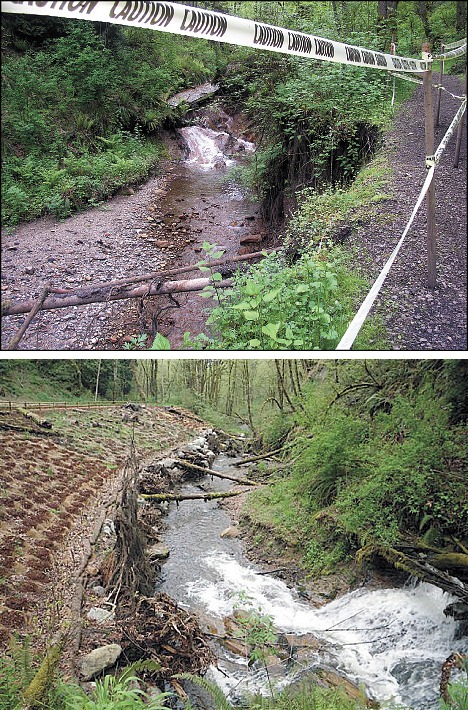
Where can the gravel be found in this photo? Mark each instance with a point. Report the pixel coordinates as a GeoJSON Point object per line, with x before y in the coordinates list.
{"type": "Point", "coordinates": [417, 318]}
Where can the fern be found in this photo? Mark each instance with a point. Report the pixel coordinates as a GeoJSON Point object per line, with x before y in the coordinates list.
{"type": "Point", "coordinates": [220, 700]}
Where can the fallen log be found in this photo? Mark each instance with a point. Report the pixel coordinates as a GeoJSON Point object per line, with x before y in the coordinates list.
{"type": "Point", "coordinates": [210, 472]}
{"type": "Point", "coordinates": [106, 295]}
{"type": "Point", "coordinates": [180, 270]}
{"type": "Point", "coordinates": [419, 568]}
{"type": "Point", "coordinates": [9, 309]}
{"type": "Point", "coordinates": [188, 496]}
{"type": "Point", "coordinates": [270, 454]}
{"type": "Point", "coordinates": [33, 312]}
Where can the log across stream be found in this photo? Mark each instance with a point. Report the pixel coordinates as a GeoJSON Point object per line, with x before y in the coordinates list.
{"type": "Point", "coordinates": [392, 640]}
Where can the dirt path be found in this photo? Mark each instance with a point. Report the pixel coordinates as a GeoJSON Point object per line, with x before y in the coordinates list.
{"type": "Point", "coordinates": [416, 317]}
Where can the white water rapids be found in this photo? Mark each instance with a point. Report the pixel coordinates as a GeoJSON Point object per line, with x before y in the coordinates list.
{"type": "Point", "coordinates": [392, 640]}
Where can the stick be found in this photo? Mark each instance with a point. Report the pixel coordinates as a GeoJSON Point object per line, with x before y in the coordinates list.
{"type": "Point", "coordinates": [97, 296]}
{"type": "Point", "coordinates": [188, 496]}
{"type": "Point", "coordinates": [270, 454]}
{"type": "Point", "coordinates": [33, 312]}
{"type": "Point", "coordinates": [209, 472]}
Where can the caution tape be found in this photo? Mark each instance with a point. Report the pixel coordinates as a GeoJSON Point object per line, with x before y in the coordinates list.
{"type": "Point", "coordinates": [356, 324]}
{"type": "Point", "coordinates": [195, 22]}
{"type": "Point", "coordinates": [454, 53]}
{"type": "Point", "coordinates": [452, 45]}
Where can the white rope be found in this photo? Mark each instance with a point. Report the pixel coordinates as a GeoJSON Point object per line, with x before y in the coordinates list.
{"type": "Point", "coordinates": [407, 77]}
{"type": "Point", "coordinates": [450, 131]}
{"type": "Point", "coordinates": [356, 324]}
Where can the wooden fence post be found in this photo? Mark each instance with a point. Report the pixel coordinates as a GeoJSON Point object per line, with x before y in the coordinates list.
{"type": "Point", "coordinates": [430, 197]}
{"type": "Point", "coordinates": [459, 137]}
{"type": "Point", "coordinates": [439, 90]}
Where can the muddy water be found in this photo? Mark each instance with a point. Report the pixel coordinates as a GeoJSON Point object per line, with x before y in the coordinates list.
{"type": "Point", "coordinates": [203, 205]}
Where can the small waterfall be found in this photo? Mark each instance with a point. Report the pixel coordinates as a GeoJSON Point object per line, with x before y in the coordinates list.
{"type": "Point", "coordinates": [208, 148]}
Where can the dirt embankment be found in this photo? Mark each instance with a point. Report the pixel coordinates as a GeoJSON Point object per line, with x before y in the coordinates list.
{"type": "Point", "coordinates": [56, 485]}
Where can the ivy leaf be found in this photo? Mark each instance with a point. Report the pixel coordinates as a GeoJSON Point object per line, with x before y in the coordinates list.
{"type": "Point", "coordinates": [242, 306]}
{"type": "Point", "coordinates": [271, 329]}
{"type": "Point", "coordinates": [252, 288]}
{"type": "Point", "coordinates": [271, 295]}
{"type": "Point", "coordinates": [255, 343]}
{"type": "Point", "coordinates": [251, 315]}
{"type": "Point", "coordinates": [160, 343]}
{"type": "Point", "coordinates": [217, 277]}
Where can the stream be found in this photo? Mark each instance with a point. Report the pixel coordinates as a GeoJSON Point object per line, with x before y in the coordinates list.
{"type": "Point", "coordinates": [202, 204]}
{"type": "Point", "coordinates": [394, 641]}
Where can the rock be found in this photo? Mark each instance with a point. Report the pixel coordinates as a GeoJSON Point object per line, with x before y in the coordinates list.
{"type": "Point", "coordinates": [29, 270]}
{"type": "Point", "coordinates": [230, 532]}
{"type": "Point", "coordinates": [100, 615]}
{"type": "Point", "coordinates": [168, 463]}
{"type": "Point", "coordinates": [108, 528]}
{"type": "Point", "coordinates": [99, 659]}
{"type": "Point", "coordinates": [161, 243]}
{"type": "Point", "coordinates": [158, 551]}
{"type": "Point", "coordinates": [252, 239]}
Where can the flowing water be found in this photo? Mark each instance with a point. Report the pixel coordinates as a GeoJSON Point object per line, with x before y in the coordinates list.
{"type": "Point", "coordinates": [392, 640]}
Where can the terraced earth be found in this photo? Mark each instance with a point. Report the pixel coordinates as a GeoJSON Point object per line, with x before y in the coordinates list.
{"type": "Point", "coordinates": [53, 480]}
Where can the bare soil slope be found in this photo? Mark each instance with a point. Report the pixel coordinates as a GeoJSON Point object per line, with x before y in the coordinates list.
{"type": "Point", "coordinates": [53, 483]}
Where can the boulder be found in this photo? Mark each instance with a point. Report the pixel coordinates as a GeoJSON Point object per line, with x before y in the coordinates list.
{"type": "Point", "coordinates": [100, 615]}
{"type": "Point", "coordinates": [99, 660]}
{"type": "Point", "coordinates": [232, 531]}
{"type": "Point", "coordinates": [158, 551]}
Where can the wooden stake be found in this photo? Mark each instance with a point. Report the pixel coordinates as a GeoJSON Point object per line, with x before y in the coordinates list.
{"type": "Point", "coordinates": [430, 197]}
{"type": "Point", "coordinates": [33, 312]}
{"type": "Point", "coordinates": [439, 90]}
{"type": "Point", "coordinates": [459, 137]}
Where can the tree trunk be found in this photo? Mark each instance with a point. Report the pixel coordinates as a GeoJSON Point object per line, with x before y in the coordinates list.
{"type": "Point", "coordinates": [188, 496]}
{"type": "Point", "coordinates": [460, 20]}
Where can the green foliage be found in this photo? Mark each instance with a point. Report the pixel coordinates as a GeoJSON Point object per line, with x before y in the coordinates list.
{"type": "Point", "coordinates": [307, 697]}
{"type": "Point", "coordinates": [16, 672]}
{"type": "Point", "coordinates": [111, 693]}
{"type": "Point", "coordinates": [255, 629]}
{"type": "Point", "coordinates": [276, 306]}
{"type": "Point", "coordinates": [380, 457]}
{"type": "Point", "coordinates": [75, 110]}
